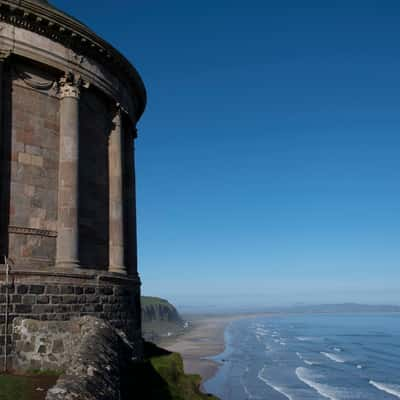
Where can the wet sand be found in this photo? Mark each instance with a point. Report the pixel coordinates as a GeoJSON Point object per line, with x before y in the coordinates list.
{"type": "Point", "coordinates": [205, 338]}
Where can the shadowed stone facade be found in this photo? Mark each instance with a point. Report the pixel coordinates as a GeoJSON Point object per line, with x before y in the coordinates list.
{"type": "Point", "coordinates": [68, 111]}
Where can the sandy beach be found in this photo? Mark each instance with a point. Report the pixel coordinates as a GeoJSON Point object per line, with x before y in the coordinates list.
{"type": "Point", "coordinates": [204, 339]}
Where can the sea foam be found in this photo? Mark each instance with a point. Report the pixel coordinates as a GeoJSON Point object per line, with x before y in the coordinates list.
{"type": "Point", "coordinates": [394, 390]}
{"type": "Point", "coordinates": [305, 338]}
{"type": "Point", "coordinates": [261, 331]}
{"type": "Point", "coordinates": [268, 383]}
{"type": "Point", "coordinates": [333, 357]}
{"type": "Point", "coordinates": [307, 378]}
{"type": "Point", "coordinates": [245, 388]}
{"type": "Point", "coordinates": [338, 349]}
{"type": "Point", "coordinates": [310, 362]}
{"type": "Point", "coordinates": [306, 361]}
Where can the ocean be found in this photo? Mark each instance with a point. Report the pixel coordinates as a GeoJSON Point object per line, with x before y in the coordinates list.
{"type": "Point", "coordinates": [310, 357]}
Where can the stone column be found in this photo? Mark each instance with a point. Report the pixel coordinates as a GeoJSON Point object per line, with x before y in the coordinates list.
{"type": "Point", "coordinates": [116, 196]}
{"type": "Point", "coordinates": [3, 57]}
{"type": "Point", "coordinates": [68, 190]}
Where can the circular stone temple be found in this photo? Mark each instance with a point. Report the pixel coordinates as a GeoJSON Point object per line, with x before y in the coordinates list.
{"type": "Point", "coordinates": [69, 104]}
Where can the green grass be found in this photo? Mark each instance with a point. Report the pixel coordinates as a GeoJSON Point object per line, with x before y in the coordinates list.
{"type": "Point", "coordinates": [161, 377]}
{"type": "Point", "coordinates": [181, 386]}
{"type": "Point", "coordinates": [151, 301]}
{"type": "Point", "coordinates": [14, 387]}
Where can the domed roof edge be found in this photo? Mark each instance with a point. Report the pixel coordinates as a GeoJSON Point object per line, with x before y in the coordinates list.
{"type": "Point", "coordinates": [61, 27]}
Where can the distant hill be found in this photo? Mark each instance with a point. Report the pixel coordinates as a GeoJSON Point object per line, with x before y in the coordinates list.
{"type": "Point", "coordinates": [160, 319]}
{"type": "Point", "coordinates": [296, 308]}
{"type": "Point", "coordinates": [338, 308]}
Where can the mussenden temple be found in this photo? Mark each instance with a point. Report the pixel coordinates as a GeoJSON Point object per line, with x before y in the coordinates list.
{"type": "Point", "coordinates": [69, 107]}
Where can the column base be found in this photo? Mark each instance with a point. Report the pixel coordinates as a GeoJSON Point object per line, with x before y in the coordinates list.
{"type": "Point", "coordinates": [117, 269]}
{"type": "Point", "coordinates": [67, 264]}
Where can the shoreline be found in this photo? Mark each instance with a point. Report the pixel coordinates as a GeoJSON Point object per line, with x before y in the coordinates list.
{"type": "Point", "coordinates": [205, 338]}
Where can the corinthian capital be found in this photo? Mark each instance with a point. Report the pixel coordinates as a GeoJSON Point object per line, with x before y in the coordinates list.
{"type": "Point", "coordinates": [70, 86]}
{"type": "Point", "coordinates": [4, 54]}
{"type": "Point", "coordinates": [116, 115]}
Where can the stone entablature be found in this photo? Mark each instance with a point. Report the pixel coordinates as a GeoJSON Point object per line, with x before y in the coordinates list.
{"type": "Point", "coordinates": [84, 45]}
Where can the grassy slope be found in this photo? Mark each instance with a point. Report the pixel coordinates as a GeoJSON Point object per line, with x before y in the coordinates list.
{"type": "Point", "coordinates": [161, 377]}
{"type": "Point", "coordinates": [150, 301]}
{"type": "Point", "coordinates": [181, 386]}
{"type": "Point", "coordinates": [12, 387]}
{"type": "Point", "coordinates": [25, 387]}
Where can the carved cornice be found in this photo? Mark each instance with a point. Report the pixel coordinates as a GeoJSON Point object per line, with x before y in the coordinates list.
{"type": "Point", "coordinates": [19, 230]}
{"type": "Point", "coordinates": [57, 26]}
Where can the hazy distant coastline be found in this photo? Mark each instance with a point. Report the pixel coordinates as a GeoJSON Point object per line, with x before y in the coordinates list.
{"type": "Point", "coordinates": [299, 308]}
{"type": "Point", "coordinates": [335, 308]}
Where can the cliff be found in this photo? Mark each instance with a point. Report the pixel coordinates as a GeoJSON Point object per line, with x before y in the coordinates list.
{"type": "Point", "coordinates": [161, 377]}
{"type": "Point", "coordinates": [160, 319]}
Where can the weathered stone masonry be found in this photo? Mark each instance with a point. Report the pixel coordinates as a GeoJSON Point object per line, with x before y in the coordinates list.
{"type": "Point", "coordinates": [69, 105]}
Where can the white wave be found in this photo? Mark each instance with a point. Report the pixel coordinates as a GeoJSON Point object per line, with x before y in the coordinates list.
{"type": "Point", "coordinates": [276, 340]}
{"type": "Point", "coordinates": [310, 362]}
{"type": "Point", "coordinates": [394, 390]}
{"type": "Point", "coordinates": [326, 391]}
{"type": "Point", "coordinates": [282, 343]}
{"type": "Point", "coordinates": [261, 331]}
{"type": "Point", "coordinates": [359, 366]}
{"type": "Point", "coordinates": [246, 390]}
{"type": "Point", "coordinates": [248, 394]}
{"type": "Point", "coordinates": [306, 361]}
{"type": "Point", "coordinates": [333, 357]}
{"type": "Point", "coordinates": [304, 338]}
{"type": "Point", "coordinates": [337, 349]}
{"type": "Point", "coordinates": [268, 383]}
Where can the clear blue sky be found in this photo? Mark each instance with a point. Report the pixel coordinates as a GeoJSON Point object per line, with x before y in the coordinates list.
{"type": "Point", "coordinates": [268, 160]}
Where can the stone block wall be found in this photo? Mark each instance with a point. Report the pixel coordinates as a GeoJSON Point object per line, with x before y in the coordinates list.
{"type": "Point", "coordinates": [99, 367]}
{"type": "Point", "coordinates": [93, 358]}
{"type": "Point", "coordinates": [34, 156]}
{"type": "Point", "coordinates": [44, 345]}
{"type": "Point", "coordinates": [113, 300]}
